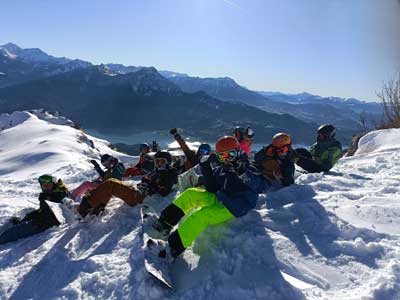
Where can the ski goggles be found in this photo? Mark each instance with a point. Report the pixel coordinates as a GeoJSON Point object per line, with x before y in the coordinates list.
{"type": "Point", "coordinates": [282, 149]}
{"type": "Point", "coordinates": [227, 155]}
{"type": "Point", "coordinates": [204, 151]}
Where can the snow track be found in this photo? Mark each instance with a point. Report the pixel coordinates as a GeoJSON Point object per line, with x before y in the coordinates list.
{"type": "Point", "coordinates": [332, 236]}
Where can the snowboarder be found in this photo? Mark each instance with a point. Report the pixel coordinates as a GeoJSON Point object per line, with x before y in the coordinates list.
{"type": "Point", "coordinates": [39, 220]}
{"type": "Point", "coordinates": [114, 169]}
{"type": "Point", "coordinates": [160, 181]}
{"type": "Point", "coordinates": [231, 190]}
{"type": "Point", "coordinates": [323, 155]}
{"type": "Point", "coordinates": [145, 164]}
{"type": "Point", "coordinates": [245, 138]}
{"type": "Point", "coordinates": [192, 157]}
{"type": "Point", "coordinates": [276, 160]}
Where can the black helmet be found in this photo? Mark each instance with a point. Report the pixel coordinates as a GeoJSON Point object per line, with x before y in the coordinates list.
{"type": "Point", "coordinates": [163, 154]}
{"type": "Point", "coordinates": [105, 157]}
{"type": "Point", "coordinates": [144, 146]}
{"type": "Point", "coordinates": [328, 131]}
{"type": "Point", "coordinates": [240, 133]}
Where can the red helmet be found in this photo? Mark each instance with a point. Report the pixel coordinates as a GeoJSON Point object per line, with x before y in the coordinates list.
{"type": "Point", "coordinates": [281, 139]}
{"type": "Point", "coordinates": [227, 143]}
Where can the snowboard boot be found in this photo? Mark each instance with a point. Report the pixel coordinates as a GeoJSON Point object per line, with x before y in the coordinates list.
{"type": "Point", "coordinates": [161, 249]}
{"type": "Point", "coordinates": [161, 229]}
{"type": "Point", "coordinates": [84, 207]}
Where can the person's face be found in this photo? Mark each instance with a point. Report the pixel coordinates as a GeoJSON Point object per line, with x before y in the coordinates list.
{"type": "Point", "coordinates": [160, 163]}
{"type": "Point", "coordinates": [282, 151]}
{"type": "Point", "coordinates": [249, 141]}
{"type": "Point", "coordinates": [47, 186]}
{"type": "Point", "coordinates": [107, 163]}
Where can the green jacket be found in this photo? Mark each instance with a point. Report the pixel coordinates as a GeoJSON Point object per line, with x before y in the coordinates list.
{"type": "Point", "coordinates": [326, 153]}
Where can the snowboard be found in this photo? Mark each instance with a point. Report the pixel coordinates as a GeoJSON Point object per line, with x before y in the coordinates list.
{"type": "Point", "coordinates": [154, 265]}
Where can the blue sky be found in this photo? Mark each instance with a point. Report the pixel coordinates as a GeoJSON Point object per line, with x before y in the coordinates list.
{"type": "Point", "coordinates": [344, 48]}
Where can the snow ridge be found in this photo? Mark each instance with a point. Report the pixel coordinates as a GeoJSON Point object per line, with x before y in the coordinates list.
{"type": "Point", "coordinates": [332, 236]}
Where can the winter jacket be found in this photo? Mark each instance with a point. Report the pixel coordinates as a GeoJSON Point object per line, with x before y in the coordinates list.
{"type": "Point", "coordinates": [142, 167]}
{"type": "Point", "coordinates": [116, 171]}
{"type": "Point", "coordinates": [192, 158]}
{"type": "Point", "coordinates": [161, 181]}
{"type": "Point", "coordinates": [326, 153]}
{"type": "Point", "coordinates": [272, 166]}
{"type": "Point", "coordinates": [245, 147]}
{"type": "Point", "coordinates": [43, 217]}
{"type": "Point", "coordinates": [237, 187]}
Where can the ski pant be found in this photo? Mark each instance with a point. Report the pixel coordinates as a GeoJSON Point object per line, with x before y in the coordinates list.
{"type": "Point", "coordinates": [85, 187]}
{"type": "Point", "coordinates": [19, 231]}
{"type": "Point", "coordinates": [114, 187]}
{"type": "Point", "coordinates": [201, 209]}
{"type": "Point", "coordinates": [307, 163]}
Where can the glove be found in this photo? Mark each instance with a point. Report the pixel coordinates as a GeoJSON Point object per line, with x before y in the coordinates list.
{"type": "Point", "coordinates": [94, 163]}
{"type": "Point", "coordinates": [173, 131]}
{"type": "Point", "coordinates": [43, 196]}
{"type": "Point", "coordinates": [144, 188]}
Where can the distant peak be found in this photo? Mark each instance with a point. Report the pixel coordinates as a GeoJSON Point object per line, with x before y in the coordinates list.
{"type": "Point", "coordinates": [11, 47]}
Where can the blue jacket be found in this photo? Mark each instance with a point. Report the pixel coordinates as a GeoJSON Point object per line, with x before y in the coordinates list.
{"type": "Point", "coordinates": [237, 187]}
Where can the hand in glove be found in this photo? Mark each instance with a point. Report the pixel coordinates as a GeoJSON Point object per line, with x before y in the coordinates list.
{"type": "Point", "coordinates": [94, 163]}
{"type": "Point", "coordinates": [173, 131]}
{"type": "Point", "coordinates": [144, 188]}
{"type": "Point", "coordinates": [278, 179]}
{"type": "Point", "coordinates": [44, 196]}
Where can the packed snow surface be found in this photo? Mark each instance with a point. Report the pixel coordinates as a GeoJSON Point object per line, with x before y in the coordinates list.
{"type": "Point", "coordinates": [332, 236]}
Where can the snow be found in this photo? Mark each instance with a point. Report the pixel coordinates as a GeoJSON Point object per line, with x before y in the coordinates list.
{"type": "Point", "coordinates": [332, 236]}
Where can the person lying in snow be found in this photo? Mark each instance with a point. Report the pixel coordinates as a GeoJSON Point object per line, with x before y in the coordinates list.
{"type": "Point", "coordinates": [192, 157]}
{"type": "Point", "coordinates": [145, 164]}
{"type": "Point", "coordinates": [231, 190]}
{"type": "Point", "coordinates": [245, 138]}
{"type": "Point", "coordinates": [39, 220]}
{"type": "Point", "coordinates": [160, 181]}
{"type": "Point", "coordinates": [323, 155]}
{"type": "Point", "coordinates": [114, 169]}
{"type": "Point", "coordinates": [276, 160]}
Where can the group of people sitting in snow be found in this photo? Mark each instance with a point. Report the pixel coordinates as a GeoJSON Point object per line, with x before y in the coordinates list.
{"type": "Point", "coordinates": [229, 181]}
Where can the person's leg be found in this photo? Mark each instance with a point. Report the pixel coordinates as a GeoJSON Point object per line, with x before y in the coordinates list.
{"type": "Point", "coordinates": [114, 187]}
{"type": "Point", "coordinates": [195, 224]}
{"type": "Point", "coordinates": [303, 152]}
{"type": "Point", "coordinates": [309, 165]}
{"type": "Point", "coordinates": [190, 199]}
{"type": "Point", "coordinates": [85, 187]}
{"type": "Point", "coordinates": [19, 231]}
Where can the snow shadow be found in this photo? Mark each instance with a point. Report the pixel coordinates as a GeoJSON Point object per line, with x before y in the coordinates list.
{"type": "Point", "coordinates": [71, 255]}
{"type": "Point", "coordinates": [303, 220]}
{"type": "Point", "coordinates": [234, 260]}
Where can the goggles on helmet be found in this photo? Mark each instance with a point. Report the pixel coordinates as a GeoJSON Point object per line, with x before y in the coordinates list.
{"type": "Point", "coordinates": [227, 155]}
{"type": "Point", "coordinates": [204, 151]}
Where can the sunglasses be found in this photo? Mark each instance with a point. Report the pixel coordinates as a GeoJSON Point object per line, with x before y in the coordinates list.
{"type": "Point", "coordinates": [282, 149]}
{"type": "Point", "coordinates": [227, 155]}
{"type": "Point", "coordinates": [161, 161]}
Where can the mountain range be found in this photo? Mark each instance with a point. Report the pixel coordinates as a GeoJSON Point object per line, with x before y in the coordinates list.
{"type": "Point", "coordinates": [117, 98]}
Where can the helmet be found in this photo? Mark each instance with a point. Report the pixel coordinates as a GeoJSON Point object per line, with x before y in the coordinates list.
{"type": "Point", "coordinates": [45, 178]}
{"type": "Point", "coordinates": [240, 133]}
{"type": "Point", "coordinates": [281, 139]}
{"type": "Point", "coordinates": [144, 146]}
{"type": "Point", "coordinates": [226, 143]}
{"type": "Point", "coordinates": [204, 149]}
{"type": "Point", "coordinates": [328, 131]}
{"type": "Point", "coordinates": [105, 157]}
{"type": "Point", "coordinates": [163, 154]}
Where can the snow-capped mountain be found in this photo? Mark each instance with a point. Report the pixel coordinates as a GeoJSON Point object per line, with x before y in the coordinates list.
{"type": "Point", "coordinates": [334, 236]}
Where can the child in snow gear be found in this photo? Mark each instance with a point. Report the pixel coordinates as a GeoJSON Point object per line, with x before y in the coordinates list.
{"type": "Point", "coordinates": [231, 190]}
{"type": "Point", "coordinates": [245, 138]}
{"type": "Point", "coordinates": [275, 160]}
{"type": "Point", "coordinates": [114, 169]}
{"type": "Point", "coordinates": [145, 164]}
{"type": "Point", "coordinates": [192, 157]}
{"type": "Point", "coordinates": [160, 181]}
{"type": "Point", "coordinates": [40, 219]}
{"type": "Point", "coordinates": [323, 155]}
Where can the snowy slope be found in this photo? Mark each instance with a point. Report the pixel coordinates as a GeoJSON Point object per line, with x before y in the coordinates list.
{"type": "Point", "coordinates": [327, 237]}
